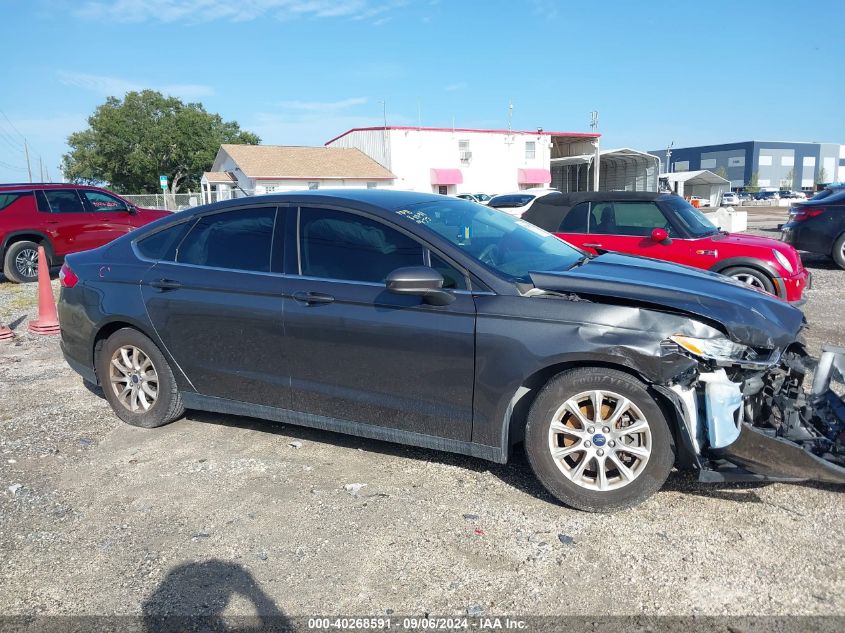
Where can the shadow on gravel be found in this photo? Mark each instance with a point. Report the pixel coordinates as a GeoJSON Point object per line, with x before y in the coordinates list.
{"type": "Point", "coordinates": [194, 596]}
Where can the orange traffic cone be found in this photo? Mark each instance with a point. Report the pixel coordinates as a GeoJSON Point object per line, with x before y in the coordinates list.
{"type": "Point", "coordinates": [5, 333]}
{"type": "Point", "coordinates": [48, 318]}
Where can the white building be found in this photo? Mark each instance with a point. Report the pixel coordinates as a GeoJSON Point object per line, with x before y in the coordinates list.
{"type": "Point", "coordinates": [452, 161]}
{"type": "Point", "coordinates": [240, 170]}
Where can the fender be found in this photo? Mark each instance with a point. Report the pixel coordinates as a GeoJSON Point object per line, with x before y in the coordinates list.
{"type": "Point", "coordinates": [758, 264]}
{"type": "Point", "coordinates": [43, 238]}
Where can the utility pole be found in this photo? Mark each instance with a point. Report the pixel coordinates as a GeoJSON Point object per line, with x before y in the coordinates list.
{"type": "Point", "coordinates": [594, 120]}
{"type": "Point", "coordinates": [28, 168]}
{"type": "Point", "coordinates": [669, 157]}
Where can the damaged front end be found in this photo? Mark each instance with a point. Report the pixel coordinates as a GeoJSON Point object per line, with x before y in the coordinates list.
{"type": "Point", "coordinates": [752, 419]}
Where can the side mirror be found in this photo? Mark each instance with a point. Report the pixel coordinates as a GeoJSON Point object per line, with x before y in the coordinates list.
{"type": "Point", "coordinates": [420, 281]}
{"type": "Point", "coordinates": [661, 236]}
{"type": "Point", "coordinates": [132, 209]}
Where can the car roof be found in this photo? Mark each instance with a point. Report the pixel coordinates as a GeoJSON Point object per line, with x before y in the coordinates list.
{"type": "Point", "coordinates": [17, 186]}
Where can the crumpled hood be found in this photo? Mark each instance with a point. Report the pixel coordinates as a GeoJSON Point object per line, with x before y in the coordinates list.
{"type": "Point", "coordinates": [749, 316]}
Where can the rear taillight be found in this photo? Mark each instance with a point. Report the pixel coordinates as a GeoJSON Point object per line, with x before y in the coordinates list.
{"type": "Point", "coordinates": [67, 277]}
{"type": "Point", "coordinates": [804, 213]}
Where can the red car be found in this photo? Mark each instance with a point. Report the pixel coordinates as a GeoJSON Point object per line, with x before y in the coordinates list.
{"type": "Point", "coordinates": [667, 227]}
{"type": "Point", "coordinates": [64, 219]}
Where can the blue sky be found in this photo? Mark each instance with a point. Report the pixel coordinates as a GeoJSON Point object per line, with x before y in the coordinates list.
{"type": "Point", "coordinates": [300, 72]}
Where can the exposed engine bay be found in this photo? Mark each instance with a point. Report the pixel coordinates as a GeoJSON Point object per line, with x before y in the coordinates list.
{"type": "Point", "coordinates": [763, 421]}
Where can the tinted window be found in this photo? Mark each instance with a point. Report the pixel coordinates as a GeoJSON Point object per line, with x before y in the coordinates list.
{"type": "Point", "coordinates": [9, 198]}
{"type": "Point", "coordinates": [162, 245]}
{"type": "Point", "coordinates": [239, 240]}
{"type": "Point", "coordinates": [339, 245]}
{"type": "Point", "coordinates": [103, 202]}
{"type": "Point", "coordinates": [638, 218]}
{"type": "Point", "coordinates": [452, 277]}
{"type": "Point", "coordinates": [575, 221]}
{"type": "Point", "coordinates": [63, 201]}
{"type": "Point", "coordinates": [511, 200]}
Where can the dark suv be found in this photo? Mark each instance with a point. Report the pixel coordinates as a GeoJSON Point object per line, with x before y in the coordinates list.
{"type": "Point", "coordinates": [63, 219]}
{"type": "Point", "coordinates": [438, 322]}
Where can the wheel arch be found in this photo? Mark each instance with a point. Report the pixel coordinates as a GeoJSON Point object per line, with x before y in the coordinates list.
{"type": "Point", "coordinates": [106, 329]}
{"type": "Point", "coordinates": [757, 264]}
{"type": "Point", "coordinates": [33, 236]}
{"type": "Point", "coordinates": [514, 427]}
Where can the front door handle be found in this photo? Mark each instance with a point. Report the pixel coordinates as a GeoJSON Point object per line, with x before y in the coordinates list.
{"type": "Point", "coordinates": [312, 298]}
{"type": "Point", "coordinates": [591, 245]}
{"type": "Point", "coordinates": [165, 284]}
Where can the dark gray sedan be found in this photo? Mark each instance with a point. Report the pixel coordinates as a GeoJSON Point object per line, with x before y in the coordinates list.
{"type": "Point", "coordinates": [437, 322]}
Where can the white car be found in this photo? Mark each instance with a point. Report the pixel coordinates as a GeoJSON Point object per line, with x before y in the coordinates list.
{"type": "Point", "coordinates": [702, 202]}
{"type": "Point", "coordinates": [480, 198]}
{"type": "Point", "coordinates": [518, 202]}
{"type": "Point", "coordinates": [729, 198]}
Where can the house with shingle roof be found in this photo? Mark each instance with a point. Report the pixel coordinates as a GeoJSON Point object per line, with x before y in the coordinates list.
{"type": "Point", "coordinates": [240, 170]}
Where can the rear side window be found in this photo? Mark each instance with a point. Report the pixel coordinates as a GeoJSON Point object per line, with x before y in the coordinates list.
{"type": "Point", "coordinates": [62, 201]}
{"type": "Point", "coordinates": [100, 201]}
{"type": "Point", "coordinates": [345, 246]}
{"type": "Point", "coordinates": [162, 245]}
{"type": "Point", "coordinates": [575, 221]}
{"type": "Point", "coordinates": [7, 199]}
{"type": "Point", "coordinates": [238, 240]}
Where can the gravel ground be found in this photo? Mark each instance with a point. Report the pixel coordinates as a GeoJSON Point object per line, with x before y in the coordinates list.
{"type": "Point", "coordinates": [225, 514]}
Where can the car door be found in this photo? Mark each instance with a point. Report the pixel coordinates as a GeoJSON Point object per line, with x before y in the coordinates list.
{"type": "Point", "coordinates": [66, 220]}
{"type": "Point", "coordinates": [216, 302]}
{"type": "Point", "coordinates": [110, 215]}
{"type": "Point", "coordinates": [362, 354]}
{"type": "Point", "coordinates": [626, 226]}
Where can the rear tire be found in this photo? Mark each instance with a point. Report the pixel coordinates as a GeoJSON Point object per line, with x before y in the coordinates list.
{"type": "Point", "coordinates": [598, 463]}
{"type": "Point", "coordinates": [137, 381]}
{"type": "Point", "coordinates": [751, 277]}
{"type": "Point", "coordinates": [839, 251]}
{"type": "Point", "coordinates": [21, 262]}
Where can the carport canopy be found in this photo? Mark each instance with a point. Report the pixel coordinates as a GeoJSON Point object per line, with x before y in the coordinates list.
{"type": "Point", "coordinates": [702, 183]}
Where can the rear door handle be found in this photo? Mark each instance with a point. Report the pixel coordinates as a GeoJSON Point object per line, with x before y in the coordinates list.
{"type": "Point", "coordinates": [591, 245]}
{"type": "Point", "coordinates": [165, 284]}
{"type": "Point", "coordinates": [312, 298]}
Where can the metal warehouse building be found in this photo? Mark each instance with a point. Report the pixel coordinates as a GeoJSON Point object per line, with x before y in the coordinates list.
{"type": "Point", "coordinates": [797, 166]}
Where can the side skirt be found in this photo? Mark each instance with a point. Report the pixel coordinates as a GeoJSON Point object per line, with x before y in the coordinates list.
{"type": "Point", "coordinates": [397, 436]}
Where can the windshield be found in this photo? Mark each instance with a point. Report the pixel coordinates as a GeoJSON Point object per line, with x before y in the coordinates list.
{"type": "Point", "coordinates": [693, 220]}
{"type": "Point", "coordinates": [510, 201]}
{"type": "Point", "coordinates": [509, 246]}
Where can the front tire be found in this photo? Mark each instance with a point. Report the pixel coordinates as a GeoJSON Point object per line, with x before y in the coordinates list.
{"type": "Point", "coordinates": [598, 458]}
{"type": "Point", "coordinates": [751, 277]}
{"type": "Point", "coordinates": [839, 251]}
{"type": "Point", "coordinates": [21, 262]}
{"type": "Point", "coordinates": [137, 380]}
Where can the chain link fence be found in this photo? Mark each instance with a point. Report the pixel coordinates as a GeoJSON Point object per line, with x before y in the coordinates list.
{"type": "Point", "coordinates": [180, 201]}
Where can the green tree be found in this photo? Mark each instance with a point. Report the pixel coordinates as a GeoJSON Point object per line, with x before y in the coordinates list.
{"type": "Point", "coordinates": [752, 185]}
{"type": "Point", "coordinates": [130, 142]}
{"type": "Point", "coordinates": [822, 179]}
{"type": "Point", "coordinates": [789, 179]}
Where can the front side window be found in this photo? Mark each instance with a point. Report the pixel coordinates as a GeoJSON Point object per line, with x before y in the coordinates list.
{"type": "Point", "coordinates": [627, 218]}
{"type": "Point", "coordinates": [530, 149]}
{"type": "Point", "coordinates": [237, 240]}
{"type": "Point", "coordinates": [103, 202]}
{"type": "Point", "coordinates": [344, 246]}
{"type": "Point", "coordinates": [63, 201]}
{"type": "Point", "coordinates": [509, 246]}
{"type": "Point", "coordinates": [453, 279]}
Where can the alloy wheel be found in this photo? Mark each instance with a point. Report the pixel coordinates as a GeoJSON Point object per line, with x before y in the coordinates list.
{"type": "Point", "coordinates": [751, 280]}
{"type": "Point", "coordinates": [133, 378]}
{"type": "Point", "coordinates": [600, 440]}
{"type": "Point", "coordinates": [26, 262]}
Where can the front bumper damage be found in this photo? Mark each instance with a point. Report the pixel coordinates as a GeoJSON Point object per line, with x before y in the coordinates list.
{"type": "Point", "coordinates": [751, 424]}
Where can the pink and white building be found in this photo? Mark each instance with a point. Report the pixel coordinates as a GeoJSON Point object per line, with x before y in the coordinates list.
{"type": "Point", "coordinates": [460, 160]}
